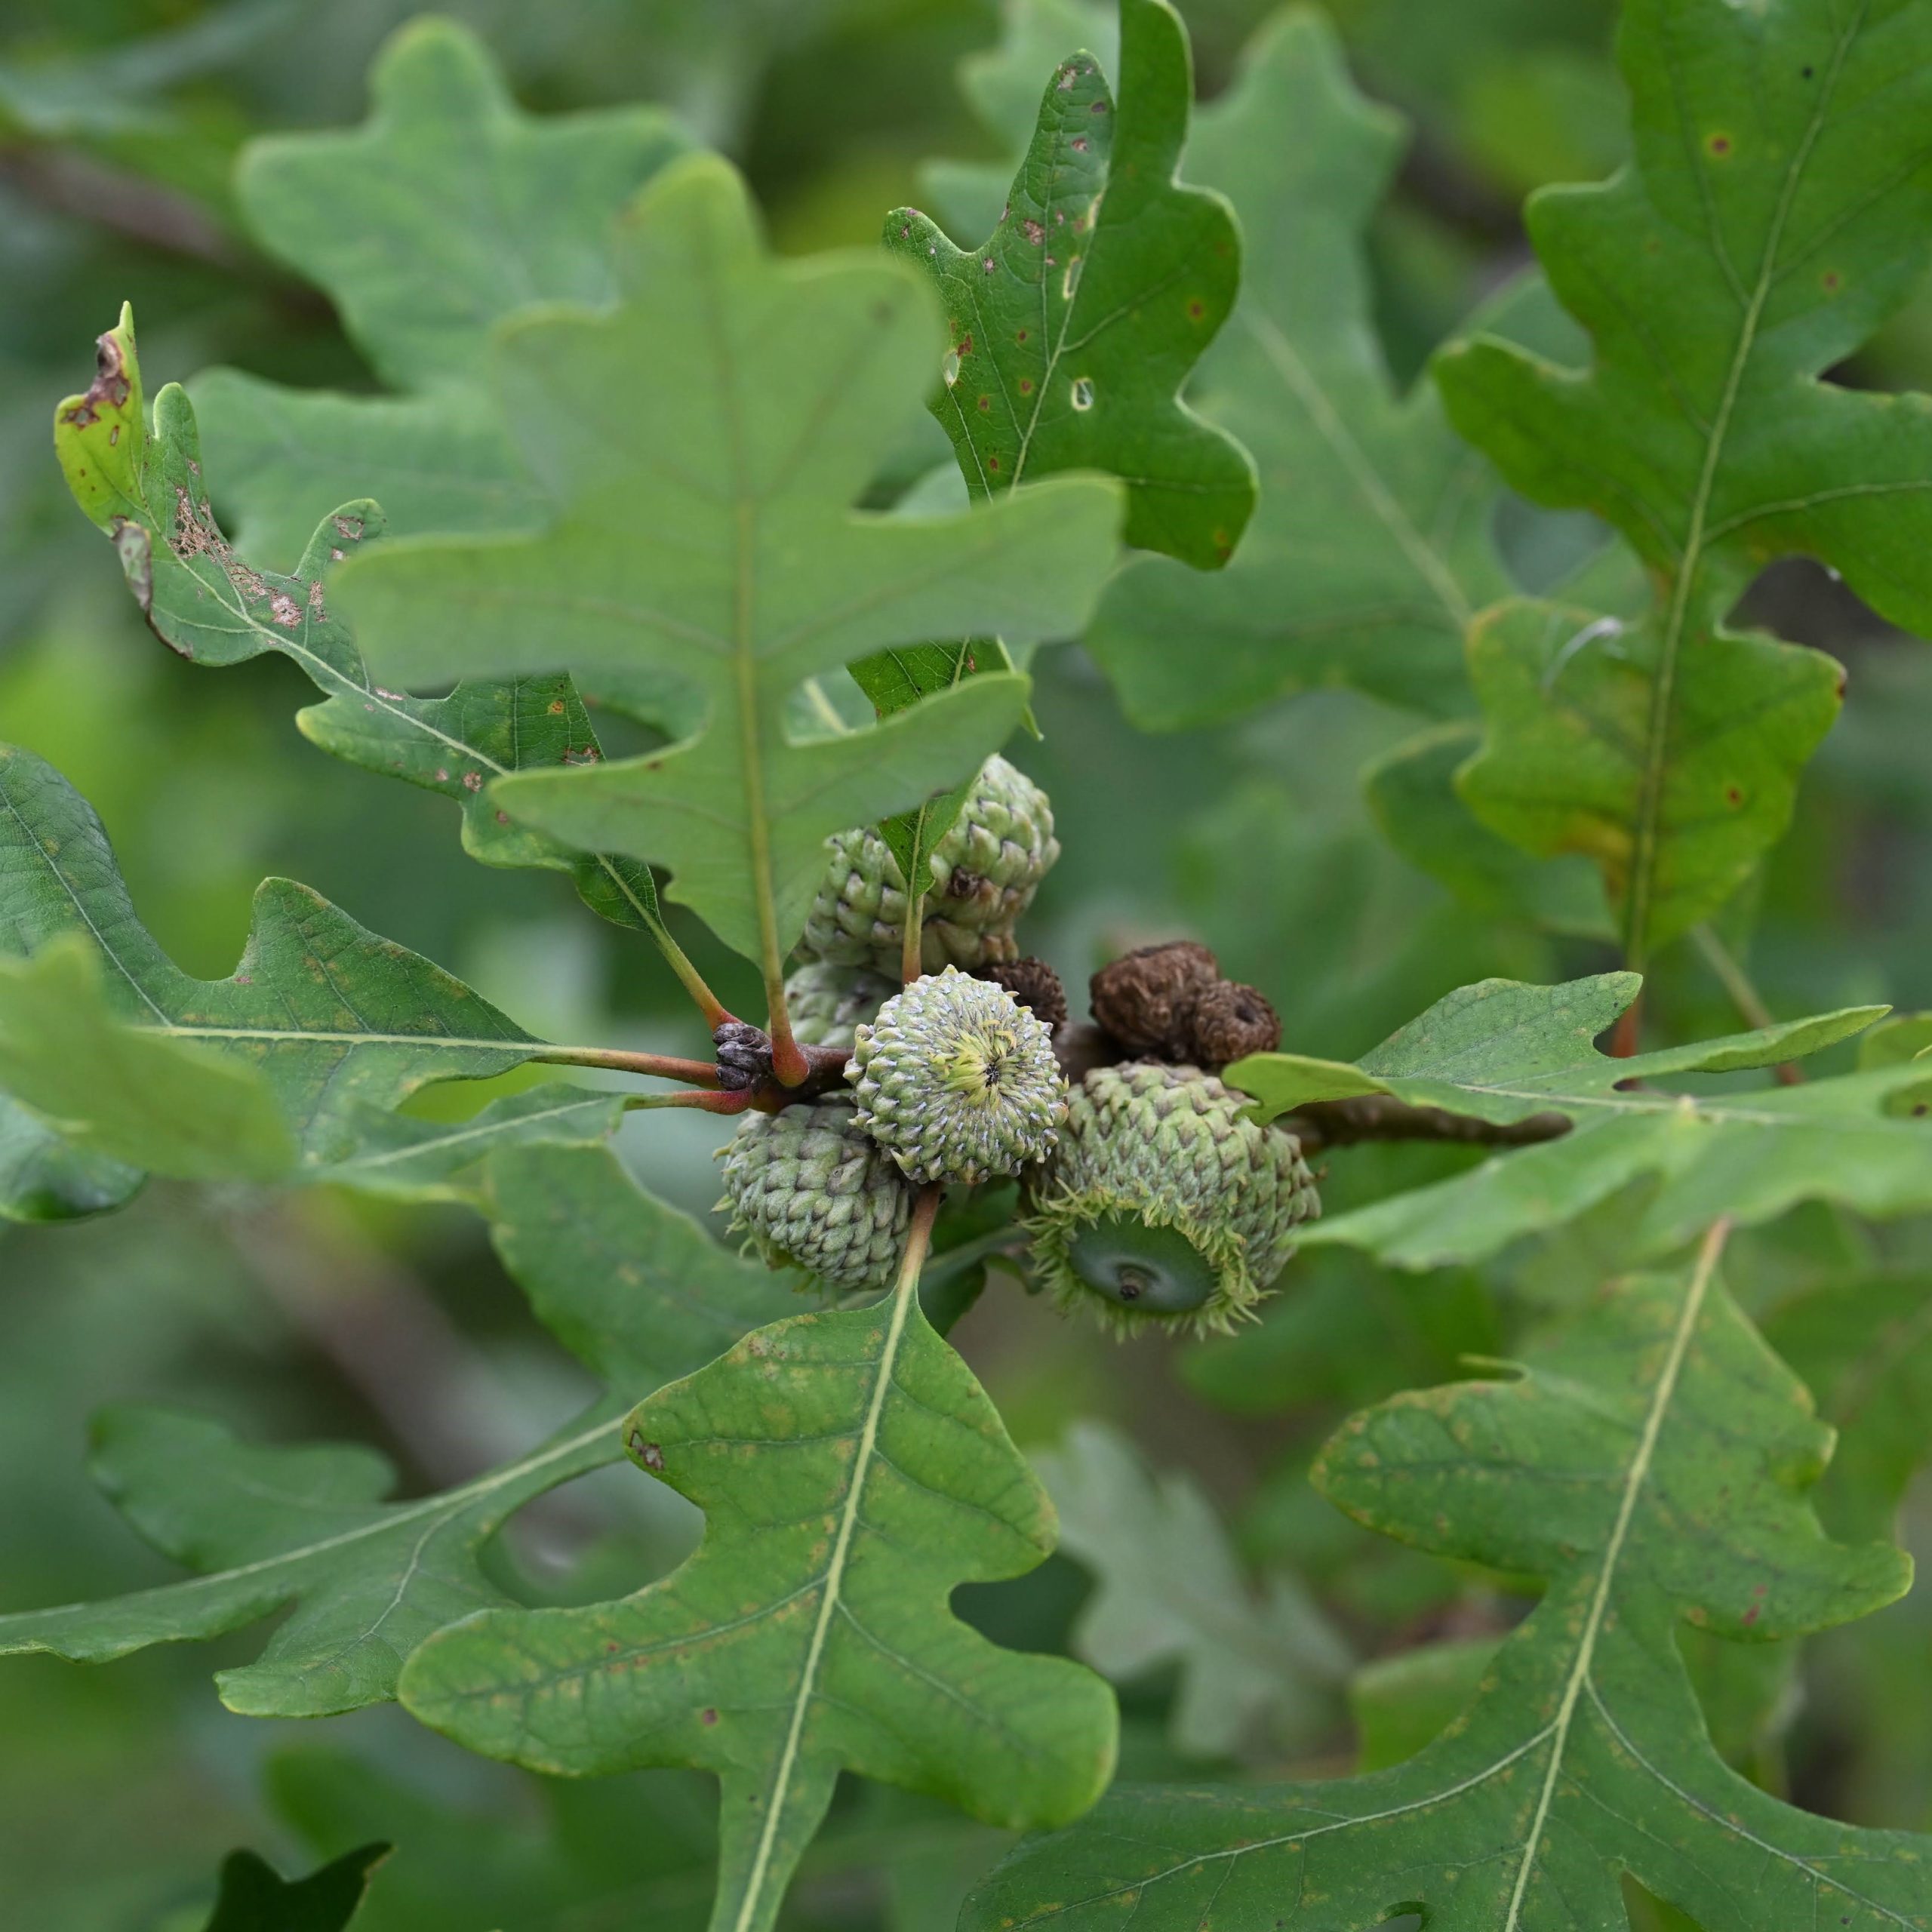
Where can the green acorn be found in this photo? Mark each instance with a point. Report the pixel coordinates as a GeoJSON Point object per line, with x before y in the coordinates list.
{"type": "Point", "coordinates": [826, 1001]}
{"type": "Point", "coordinates": [809, 1189]}
{"type": "Point", "coordinates": [956, 1081]}
{"type": "Point", "coordinates": [984, 872]}
{"type": "Point", "coordinates": [1162, 1204]}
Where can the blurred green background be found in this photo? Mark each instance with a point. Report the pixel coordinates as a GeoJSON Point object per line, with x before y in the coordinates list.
{"type": "Point", "coordinates": [120, 1788]}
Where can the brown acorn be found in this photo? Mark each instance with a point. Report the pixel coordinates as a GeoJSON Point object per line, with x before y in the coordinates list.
{"type": "Point", "coordinates": [1033, 984]}
{"type": "Point", "coordinates": [1228, 1019]}
{"type": "Point", "coordinates": [1143, 998]}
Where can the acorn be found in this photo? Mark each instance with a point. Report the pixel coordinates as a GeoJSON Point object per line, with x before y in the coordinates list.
{"type": "Point", "coordinates": [1227, 1020]}
{"type": "Point", "coordinates": [827, 1002]}
{"type": "Point", "coordinates": [956, 1081]}
{"type": "Point", "coordinates": [1142, 998]}
{"type": "Point", "coordinates": [983, 874]}
{"type": "Point", "coordinates": [1162, 1203]}
{"type": "Point", "coordinates": [809, 1189]}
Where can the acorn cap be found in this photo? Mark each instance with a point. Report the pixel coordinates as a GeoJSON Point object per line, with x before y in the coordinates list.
{"type": "Point", "coordinates": [1227, 1020]}
{"type": "Point", "coordinates": [956, 1081]}
{"type": "Point", "coordinates": [1033, 984]}
{"type": "Point", "coordinates": [1141, 998]}
{"type": "Point", "coordinates": [1162, 1203]}
{"type": "Point", "coordinates": [827, 1002]}
{"type": "Point", "coordinates": [809, 1189]}
{"type": "Point", "coordinates": [983, 874]}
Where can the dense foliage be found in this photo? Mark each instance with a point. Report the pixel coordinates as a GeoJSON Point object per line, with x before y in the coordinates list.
{"type": "Point", "coordinates": [1222, 547]}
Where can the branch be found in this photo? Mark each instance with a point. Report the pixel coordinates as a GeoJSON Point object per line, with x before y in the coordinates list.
{"type": "Point", "coordinates": [1382, 1116]}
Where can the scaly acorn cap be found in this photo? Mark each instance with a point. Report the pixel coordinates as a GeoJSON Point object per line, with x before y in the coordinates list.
{"type": "Point", "coordinates": [984, 873]}
{"type": "Point", "coordinates": [826, 1001]}
{"type": "Point", "coordinates": [1162, 1204]}
{"type": "Point", "coordinates": [1143, 998]}
{"type": "Point", "coordinates": [957, 1081]}
{"type": "Point", "coordinates": [1228, 1020]}
{"type": "Point", "coordinates": [809, 1189]}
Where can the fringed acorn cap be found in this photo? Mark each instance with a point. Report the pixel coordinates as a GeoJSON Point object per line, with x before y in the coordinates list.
{"type": "Point", "coordinates": [1162, 1203]}
{"type": "Point", "coordinates": [984, 873]}
{"type": "Point", "coordinates": [957, 1082]}
{"type": "Point", "coordinates": [809, 1189]}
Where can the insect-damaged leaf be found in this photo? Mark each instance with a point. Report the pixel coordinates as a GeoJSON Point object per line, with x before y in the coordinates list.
{"type": "Point", "coordinates": [448, 209]}
{"type": "Point", "coordinates": [1651, 1464]}
{"type": "Point", "coordinates": [634, 1288]}
{"type": "Point", "coordinates": [146, 488]}
{"type": "Point", "coordinates": [1778, 207]}
{"type": "Point", "coordinates": [1502, 1052]}
{"type": "Point", "coordinates": [852, 1473]}
{"type": "Point", "coordinates": [333, 1018]}
{"type": "Point", "coordinates": [1072, 328]}
{"type": "Point", "coordinates": [708, 439]}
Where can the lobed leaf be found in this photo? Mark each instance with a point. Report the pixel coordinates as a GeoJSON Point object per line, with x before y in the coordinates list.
{"type": "Point", "coordinates": [707, 441]}
{"type": "Point", "coordinates": [1776, 210]}
{"type": "Point", "coordinates": [1256, 1665]}
{"type": "Point", "coordinates": [146, 488]}
{"type": "Point", "coordinates": [255, 1898]}
{"type": "Point", "coordinates": [1001, 85]}
{"type": "Point", "coordinates": [1073, 327]}
{"type": "Point", "coordinates": [852, 1473]}
{"type": "Point", "coordinates": [1651, 1462]}
{"type": "Point", "coordinates": [1503, 1052]}
{"type": "Point", "coordinates": [334, 1020]}
{"type": "Point", "coordinates": [307, 1529]}
{"type": "Point", "coordinates": [127, 1094]}
{"type": "Point", "coordinates": [448, 209]}
{"type": "Point", "coordinates": [1370, 548]}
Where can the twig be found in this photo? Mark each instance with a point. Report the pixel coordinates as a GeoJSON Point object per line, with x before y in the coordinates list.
{"type": "Point", "coordinates": [659, 1066]}
{"type": "Point", "coordinates": [1382, 1116]}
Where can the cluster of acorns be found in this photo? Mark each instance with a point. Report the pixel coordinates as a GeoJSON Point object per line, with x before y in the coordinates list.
{"type": "Point", "coordinates": [1147, 1194]}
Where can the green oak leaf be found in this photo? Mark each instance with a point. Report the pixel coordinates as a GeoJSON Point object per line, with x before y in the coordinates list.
{"type": "Point", "coordinates": [1504, 1052]}
{"type": "Point", "coordinates": [1412, 791]}
{"type": "Point", "coordinates": [1864, 1347]}
{"type": "Point", "coordinates": [45, 1177]}
{"type": "Point", "coordinates": [852, 1473]}
{"type": "Point", "coordinates": [368, 1579]}
{"type": "Point", "coordinates": [1774, 214]}
{"type": "Point", "coordinates": [145, 487]}
{"type": "Point", "coordinates": [1072, 328]}
{"type": "Point", "coordinates": [255, 1898]}
{"type": "Point", "coordinates": [1371, 546]}
{"type": "Point", "coordinates": [332, 1019]}
{"type": "Point", "coordinates": [707, 440]}
{"type": "Point", "coordinates": [411, 1159]}
{"type": "Point", "coordinates": [1257, 1665]}
{"type": "Point", "coordinates": [448, 209]}
{"type": "Point", "coordinates": [269, 1528]}
{"type": "Point", "coordinates": [132, 1095]}
{"type": "Point", "coordinates": [1651, 1462]}
{"type": "Point", "coordinates": [1001, 86]}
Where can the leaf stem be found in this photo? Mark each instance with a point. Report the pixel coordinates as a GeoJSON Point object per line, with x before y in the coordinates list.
{"type": "Point", "coordinates": [658, 1066]}
{"type": "Point", "coordinates": [710, 1103]}
{"type": "Point", "coordinates": [716, 1013]}
{"type": "Point", "coordinates": [910, 965]}
{"type": "Point", "coordinates": [918, 1237]}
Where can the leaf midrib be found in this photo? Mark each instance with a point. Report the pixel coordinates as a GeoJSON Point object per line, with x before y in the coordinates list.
{"type": "Point", "coordinates": [447, 1505]}
{"type": "Point", "coordinates": [1650, 797]}
{"type": "Point", "coordinates": [830, 1601]}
